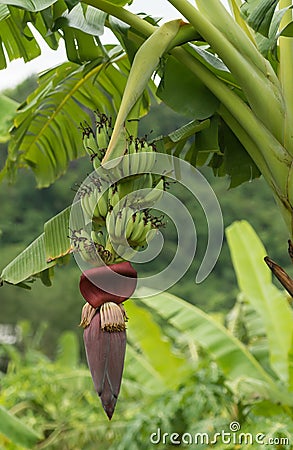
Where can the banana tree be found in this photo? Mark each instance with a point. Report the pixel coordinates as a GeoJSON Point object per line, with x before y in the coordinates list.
{"type": "Point", "coordinates": [230, 73]}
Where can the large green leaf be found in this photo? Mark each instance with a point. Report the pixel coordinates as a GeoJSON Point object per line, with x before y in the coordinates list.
{"type": "Point", "coordinates": [236, 162]}
{"type": "Point", "coordinates": [30, 262]}
{"type": "Point", "coordinates": [183, 92]}
{"type": "Point", "coordinates": [16, 431]}
{"type": "Point", "coordinates": [236, 362]}
{"type": "Point", "coordinates": [16, 39]}
{"type": "Point", "coordinates": [30, 5]}
{"type": "Point", "coordinates": [57, 240]}
{"type": "Point", "coordinates": [259, 14]}
{"type": "Point", "coordinates": [43, 253]}
{"type": "Point", "coordinates": [78, 26]}
{"type": "Point", "coordinates": [87, 19]}
{"type": "Point", "coordinates": [255, 281]}
{"type": "Point", "coordinates": [46, 134]}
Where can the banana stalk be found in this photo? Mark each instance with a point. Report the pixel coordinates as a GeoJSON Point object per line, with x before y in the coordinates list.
{"type": "Point", "coordinates": [145, 62]}
{"type": "Point", "coordinates": [286, 76]}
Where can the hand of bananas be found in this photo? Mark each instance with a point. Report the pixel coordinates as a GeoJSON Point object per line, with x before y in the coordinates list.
{"type": "Point", "coordinates": [118, 200]}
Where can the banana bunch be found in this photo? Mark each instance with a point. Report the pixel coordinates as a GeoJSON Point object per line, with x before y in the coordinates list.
{"type": "Point", "coordinates": [95, 205]}
{"type": "Point", "coordinates": [125, 227]}
{"type": "Point", "coordinates": [139, 158]}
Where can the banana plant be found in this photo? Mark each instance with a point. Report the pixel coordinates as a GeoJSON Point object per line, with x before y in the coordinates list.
{"type": "Point", "coordinates": [235, 85]}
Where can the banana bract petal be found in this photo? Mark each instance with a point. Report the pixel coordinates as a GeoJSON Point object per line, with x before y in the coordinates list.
{"type": "Point", "coordinates": [101, 284]}
{"type": "Point", "coordinates": [105, 352]}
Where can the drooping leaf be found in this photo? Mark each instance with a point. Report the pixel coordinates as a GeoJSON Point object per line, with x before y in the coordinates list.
{"type": "Point", "coordinates": [259, 14]}
{"type": "Point", "coordinates": [16, 431]}
{"type": "Point", "coordinates": [231, 355]}
{"type": "Point", "coordinates": [88, 19]}
{"type": "Point", "coordinates": [48, 249]}
{"type": "Point", "coordinates": [57, 240]}
{"type": "Point", "coordinates": [46, 134]}
{"type": "Point", "coordinates": [255, 281]}
{"type": "Point", "coordinates": [30, 5]}
{"type": "Point", "coordinates": [212, 62]}
{"type": "Point", "coordinates": [268, 45]}
{"type": "Point", "coordinates": [185, 93]}
{"type": "Point", "coordinates": [7, 112]}
{"type": "Point", "coordinates": [16, 38]}
{"type": "Point", "coordinates": [27, 264]}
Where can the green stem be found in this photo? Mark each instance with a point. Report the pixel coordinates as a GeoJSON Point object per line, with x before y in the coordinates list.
{"type": "Point", "coordinates": [286, 76]}
{"type": "Point", "coordinates": [271, 150]}
{"type": "Point", "coordinates": [252, 73]}
{"type": "Point", "coordinates": [281, 200]}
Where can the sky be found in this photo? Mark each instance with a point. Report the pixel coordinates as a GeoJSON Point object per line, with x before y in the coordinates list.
{"type": "Point", "coordinates": [17, 70]}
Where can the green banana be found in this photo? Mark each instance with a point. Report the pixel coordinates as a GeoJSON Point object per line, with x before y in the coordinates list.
{"type": "Point", "coordinates": [120, 224]}
{"type": "Point", "coordinates": [101, 206]}
{"type": "Point", "coordinates": [84, 201]}
{"type": "Point", "coordinates": [102, 135]}
{"type": "Point", "coordinates": [138, 227]}
{"type": "Point", "coordinates": [113, 197]}
{"type": "Point", "coordinates": [151, 158]}
{"type": "Point", "coordinates": [142, 239]}
{"type": "Point", "coordinates": [98, 238]}
{"type": "Point", "coordinates": [129, 226]}
{"type": "Point", "coordinates": [109, 226]}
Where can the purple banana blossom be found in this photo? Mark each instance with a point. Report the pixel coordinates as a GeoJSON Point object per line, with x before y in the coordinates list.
{"type": "Point", "coordinates": [105, 353]}
{"type": "Point", "coordinates": [103, 319]}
